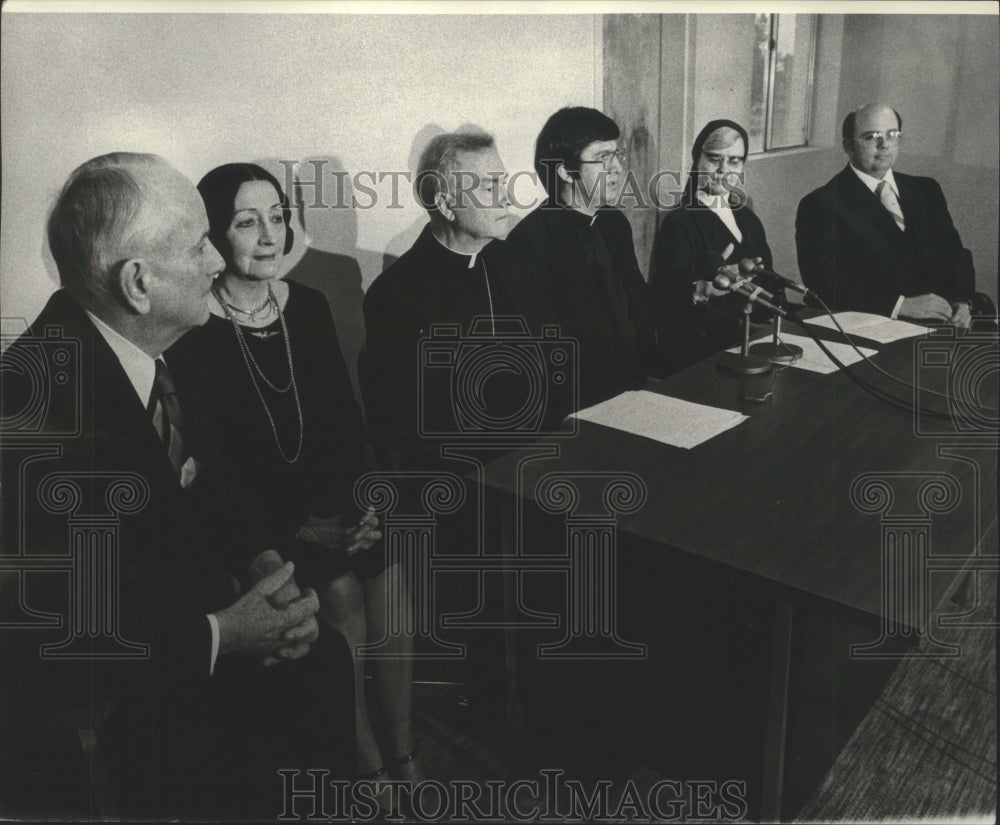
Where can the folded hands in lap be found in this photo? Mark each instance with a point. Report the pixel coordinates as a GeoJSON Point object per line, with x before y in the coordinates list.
{"type": "Point", "coordinates": [273, 621]}
{"type": "Point", "coordinates": [331, 533]}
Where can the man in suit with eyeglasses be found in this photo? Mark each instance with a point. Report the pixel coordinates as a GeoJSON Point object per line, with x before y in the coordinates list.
{"type": "Point", "coordinates": [876, 240]}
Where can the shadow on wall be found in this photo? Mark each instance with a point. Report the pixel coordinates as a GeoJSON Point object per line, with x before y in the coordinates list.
{"type": "Point", "coordinates": [403, 240]}
{"type": "Point", "coordinates": [51, 270]}
{"type": "Point", "coordinates": [327, 257]}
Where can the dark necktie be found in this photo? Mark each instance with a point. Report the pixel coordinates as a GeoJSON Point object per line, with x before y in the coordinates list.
{"type": "Point", "coordinates": [167, 416]}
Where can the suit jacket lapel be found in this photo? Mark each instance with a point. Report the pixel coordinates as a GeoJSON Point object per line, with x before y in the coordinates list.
{"type": "Point", "coordinates": [121, 418]}
{"type": "Point", "coordinates": [201, 427]}
{"type": "Point", "coordinates": [913, 206]}
{"type": "Point", "coordinates": [120, 426]}
{"type": "Point", "coordinates": [917, 221]}
{"type": "Point", "coordinates": [863, 210]}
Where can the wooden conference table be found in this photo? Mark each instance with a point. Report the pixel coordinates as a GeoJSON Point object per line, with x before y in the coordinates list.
{"type": "Point", "coordinates": [826, 498]}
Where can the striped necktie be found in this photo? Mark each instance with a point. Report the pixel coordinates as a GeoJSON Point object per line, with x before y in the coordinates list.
{"type": "Point", "coordinates": [889, 201]}
{"type": "Point", "coordinates": [167, 417]}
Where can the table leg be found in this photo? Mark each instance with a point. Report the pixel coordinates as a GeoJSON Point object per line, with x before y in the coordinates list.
{"type": "Point", "coordinates": [777, 713]}
{"type": "Point", "coordinates": [513, 706]}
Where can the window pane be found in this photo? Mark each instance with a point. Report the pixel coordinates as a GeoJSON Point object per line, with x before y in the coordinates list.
{"type": "Point", "coordinates": [758, 81]}
{"type": "Point", "coordinates": [793, 65]}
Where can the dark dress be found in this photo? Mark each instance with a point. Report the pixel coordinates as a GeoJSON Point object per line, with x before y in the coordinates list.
{"type": "Point", "coordinates": [276, 497]}
{"type": "Point", "coordinates": [689, 331]}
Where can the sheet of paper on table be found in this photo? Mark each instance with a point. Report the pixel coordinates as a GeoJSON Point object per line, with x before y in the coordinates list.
{"type": "Point", "coordinates": [876, 328]}
{"type": "Point", "coordinates": [662, 418]}
{"type": "Point", "coordinates": [815, 360]}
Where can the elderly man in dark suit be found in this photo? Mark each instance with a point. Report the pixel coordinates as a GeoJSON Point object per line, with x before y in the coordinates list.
{"type": "Point", "coordinates": [206, 687]}
{"type": "Point", "coordinates": [879, 241]}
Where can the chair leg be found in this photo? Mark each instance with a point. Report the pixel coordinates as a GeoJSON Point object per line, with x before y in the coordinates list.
{"type": "Point", "coordinates": [99, 780]}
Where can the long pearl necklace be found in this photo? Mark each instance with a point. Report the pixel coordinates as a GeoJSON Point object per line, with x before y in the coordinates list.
{"type": "Point", "coordinates": [254, 369]}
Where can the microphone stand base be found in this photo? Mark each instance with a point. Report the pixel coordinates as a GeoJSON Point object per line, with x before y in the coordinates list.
{"type": "Point", "coordinates": [743, 364]}
{"type": "Point", "coordinates": [777, 353]}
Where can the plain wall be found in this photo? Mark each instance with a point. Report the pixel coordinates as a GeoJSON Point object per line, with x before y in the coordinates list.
{"type": "Point", "coordinates": [365, 92]}
{"type": "Point", "coordinates": [360, 92]}
{"type": "Point", "coordinates": [942, 73]}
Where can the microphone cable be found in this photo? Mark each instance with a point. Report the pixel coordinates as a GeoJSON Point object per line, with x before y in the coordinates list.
{"type": "Point", "coordinates": [850, 340]}
{"type": "Point", "coordinates": [882, 395]}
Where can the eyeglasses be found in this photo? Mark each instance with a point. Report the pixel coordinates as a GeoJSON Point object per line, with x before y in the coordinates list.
{"type": "Point", "coordinates": [607, 158]}
{"type": "Point", "coordinates": [873, 138]}
{"type": "Point", "coordinates": [715, 159]}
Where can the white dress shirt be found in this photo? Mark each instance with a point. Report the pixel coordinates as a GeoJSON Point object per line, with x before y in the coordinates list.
{"type": "Point", "coordinates": [872, 184]}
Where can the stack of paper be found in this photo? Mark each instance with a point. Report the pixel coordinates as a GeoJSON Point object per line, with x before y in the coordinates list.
{"type": "Point", "coordinates": [662, 418]}
{"type": "Point", "coordinates": [876, 328]}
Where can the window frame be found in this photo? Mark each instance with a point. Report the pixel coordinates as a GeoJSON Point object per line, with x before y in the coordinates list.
{"type": "Point", "coordinates": [767, 107]}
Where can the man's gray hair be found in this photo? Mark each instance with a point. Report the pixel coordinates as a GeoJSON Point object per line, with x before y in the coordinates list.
{"type": "Point", "coordinates": [440, 159]}
{"type": "Point", "coordinates": [95, 216]}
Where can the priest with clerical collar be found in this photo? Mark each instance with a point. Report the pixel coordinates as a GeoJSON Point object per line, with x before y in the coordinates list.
{"type": "Point", "coordinates": [592, 286]}
{"type": "Point", "coordinates": [457, 271]}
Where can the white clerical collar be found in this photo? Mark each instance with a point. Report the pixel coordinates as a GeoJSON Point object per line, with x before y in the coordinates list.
{"type": "Point", "coordinates": [720, 206]}
{"type": "Point", "coordinates": [139, 367]}
{"type": "Point", "coordinates": [471, 256]}
{"type": "Point", "coordinates": [872, 182]}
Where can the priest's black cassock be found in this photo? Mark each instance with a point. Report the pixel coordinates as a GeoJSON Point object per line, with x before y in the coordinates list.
{"type": "Point", "coordinates": [426, 316]}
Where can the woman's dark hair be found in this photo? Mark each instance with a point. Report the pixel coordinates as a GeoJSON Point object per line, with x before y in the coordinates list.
{"type": "Point", "coordinates": [691, 187]}
{"type": "Point", "coordinates": [564, 137]}
{"type": "Point", "coordinates": [218, 190]}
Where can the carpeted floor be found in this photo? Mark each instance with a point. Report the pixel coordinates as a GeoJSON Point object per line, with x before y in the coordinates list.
{"type": "Point", "coordinates": [927, 749]}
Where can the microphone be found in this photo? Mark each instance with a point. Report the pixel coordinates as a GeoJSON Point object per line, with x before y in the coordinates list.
{"type": "Point", "coordinates": [755, 294]}
{"type": "Point", "coordinates": [786, 282]}
{"type": "Point", "coordinates": [724, 281]}
{"type": "Point", "coordinates": [715, 261]}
